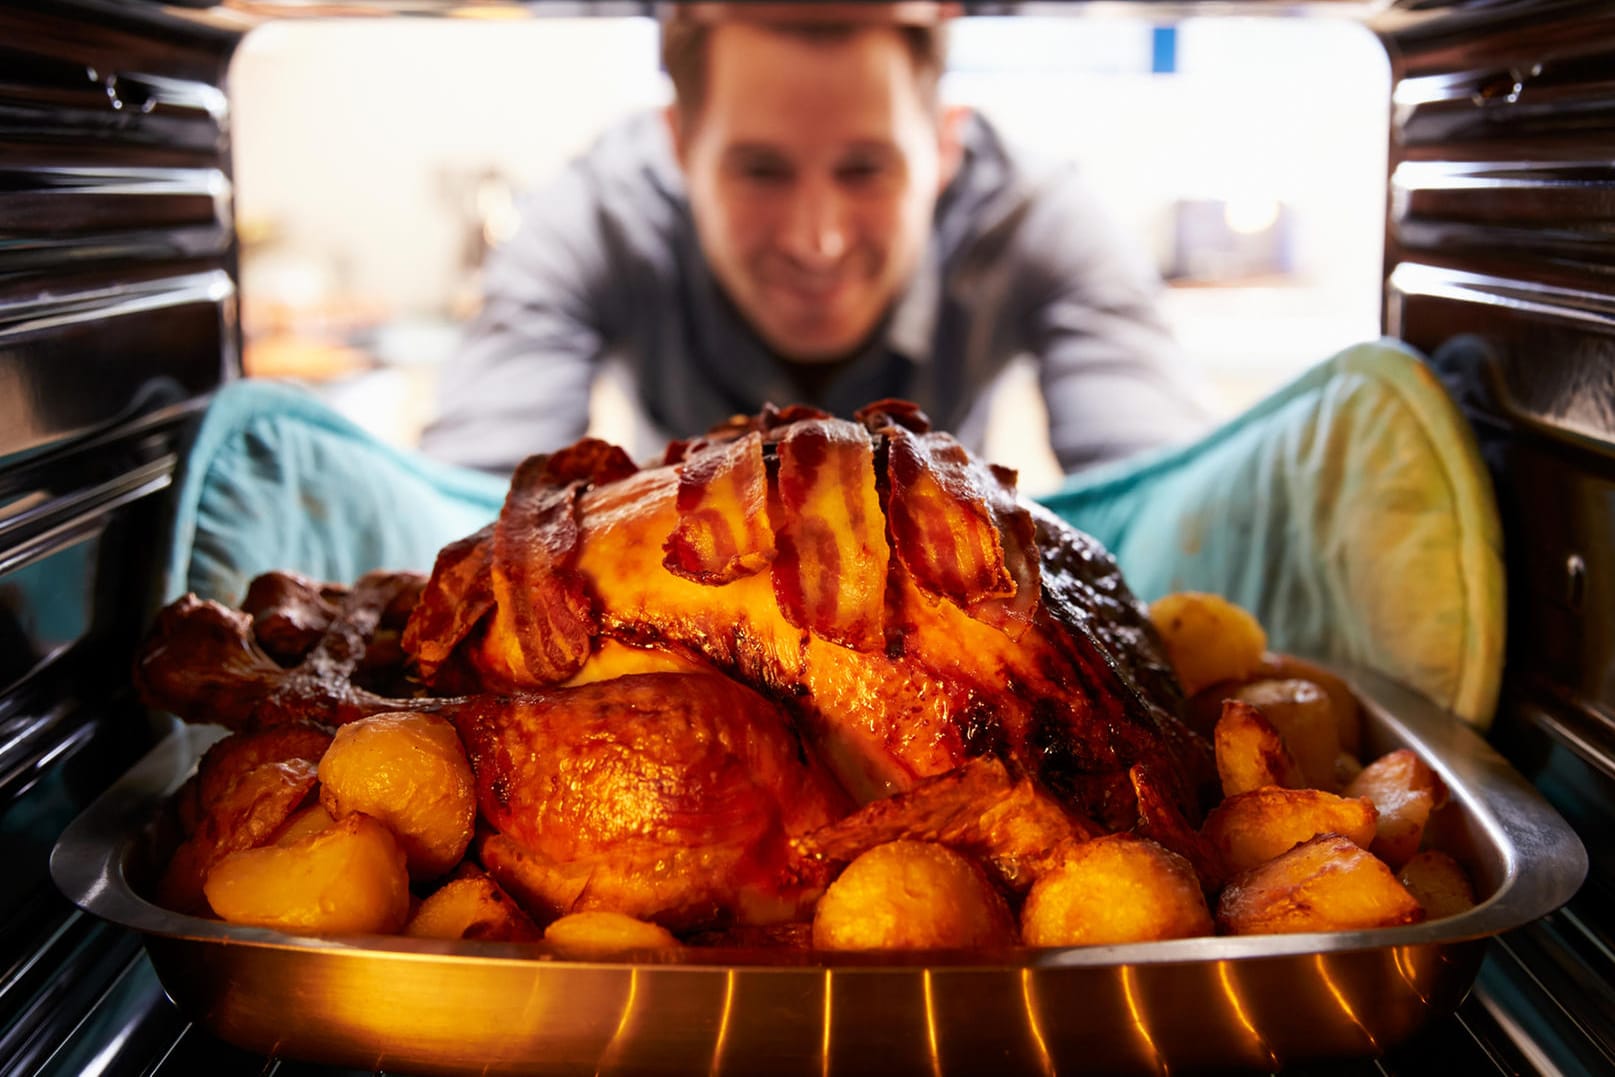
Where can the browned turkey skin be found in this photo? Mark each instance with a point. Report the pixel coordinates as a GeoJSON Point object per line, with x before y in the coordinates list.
{"type": "Point", "coordinates": [661, 795]}
{"type": "Point", "coordinates": [675, 682]}
{"type": "Point", "coordinates": [890, 591]}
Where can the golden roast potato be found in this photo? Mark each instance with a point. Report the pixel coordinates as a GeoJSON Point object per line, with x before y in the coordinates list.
{"type": "Point", "coordinates": [410, 771]}
{"type": "Point", "coordinates": [1208, 639]}
{"type": "Point", "coordinates": [349, 878]}
{"type": "Point", "coordinates": [244, 813]}
{"type": "Point", "coordinates": [1344, 706]}
{"type": "Point", "coordinates": [911, 895]}
{"type": "Point", "coordinates": [1250, 753]}
{"type": "Point", "coordinates": [303, 823]}
{"type": "Point", "coordinates": [471, 906]}
{"type": "Point", "coordinates": [1329, 883]}
{"type": "Point", "coordinates": [1326, 884]}
{"type": "Point", "coordinates": [1405, 790]}
{"type": "Point", "coordinates": [1114, 889]}
{"type": "Point", "coordinates": [599, 931]}
{"type": "Point", "coordinates": [1304, 717]}
{"type": "Point", "coordinates": [1254, 827]}
{"type": "Point", "coordinates": [1439, 882]}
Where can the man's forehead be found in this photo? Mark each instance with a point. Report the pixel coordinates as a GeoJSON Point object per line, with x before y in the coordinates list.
{"type": "Point", "coordinates": [901, 13]}
{"type": "Point", "coordinates": [860, 90]}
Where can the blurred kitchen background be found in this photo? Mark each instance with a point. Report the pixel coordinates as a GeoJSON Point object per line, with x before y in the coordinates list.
{"type": "Point", "coordinates": [377, 159]}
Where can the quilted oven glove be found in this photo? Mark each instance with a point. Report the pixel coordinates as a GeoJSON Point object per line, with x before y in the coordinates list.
{"type": "Point", "coordinates": [1349, 512]}
{"type": "Point", "coordinates": [274, 479]}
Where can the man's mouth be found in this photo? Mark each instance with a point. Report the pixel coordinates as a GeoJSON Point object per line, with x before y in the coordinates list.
{"type": "Point", "coordinates": [809, 289]}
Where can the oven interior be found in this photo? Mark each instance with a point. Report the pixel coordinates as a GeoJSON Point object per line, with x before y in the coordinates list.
{"type": "Point", "coordinates": [120, 276]}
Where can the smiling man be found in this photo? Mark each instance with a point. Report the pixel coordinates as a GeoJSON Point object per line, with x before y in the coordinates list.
{"type": "Point", "coordinates": [808, 223]}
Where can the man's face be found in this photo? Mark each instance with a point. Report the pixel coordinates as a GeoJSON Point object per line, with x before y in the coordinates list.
{"type": "Point", "coordinates": [813, 168]}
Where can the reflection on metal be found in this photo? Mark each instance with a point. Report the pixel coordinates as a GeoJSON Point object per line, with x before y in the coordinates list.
{"type": "Point", "coordinates": [824, 1045]}
{"type": "Point", "coordinates": [1328, 981]}
{"type": "Point", "coordinates": [1231, 993]}
{"type": "Point", "coordinates": [723, 1021]}
{"type": "Point", "coordinates": [1402, 958]}
{"type": "Point", "coordinates": [930, 1024]}
{"type": "Point", "coordinates": [621, 1039]}
{"type": "Point", "coordinates": [1038, 1040]}
{"type": "Point", "coordinates": [1140, 1022]}
{"type": "Point", "coordinates": [1570, 305]}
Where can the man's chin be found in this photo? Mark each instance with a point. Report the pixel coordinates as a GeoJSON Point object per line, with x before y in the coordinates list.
{"type": "Point", "coordinates": [815, 349]}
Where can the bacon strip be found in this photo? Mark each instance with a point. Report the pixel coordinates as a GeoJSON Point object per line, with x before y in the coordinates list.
{"type": "Point", "coordinates": [535, 548]}
{"type": "Point", "coordinates": [830, 570]}
{"type": "Point", "coordinates": [1017, 533]}
{"type": "Point", "coordinates": [957, 525]}
{"type": "Point", "coordinates": [723, 531]}
{"type": "Point", "coordinates": [456, 598]}
{"type": "Point", "coordinates": [942, 528]}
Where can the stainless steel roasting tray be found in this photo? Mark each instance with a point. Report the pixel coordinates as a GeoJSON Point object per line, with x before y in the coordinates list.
{"type": "Point", "coordinates": [419, 1006]}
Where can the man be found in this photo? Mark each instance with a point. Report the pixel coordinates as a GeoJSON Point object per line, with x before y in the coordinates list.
{"type": "Point", "coordinates": [808, 224]}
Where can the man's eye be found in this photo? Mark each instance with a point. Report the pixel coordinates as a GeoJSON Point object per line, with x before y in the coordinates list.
{"type": "Point", "coordinates": [856, 173]}
{"type": "Point", "coordinates": [768, 173]}
{"type": "Point", "coordinates": [763, 171]}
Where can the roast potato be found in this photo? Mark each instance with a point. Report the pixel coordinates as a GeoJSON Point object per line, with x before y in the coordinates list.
{"type": "Point", "coordinates": [1343, 703]}
{"type": "Point", "coordinates": [1304, 717]}
{"type": "Point", "coordinates": [244, 814]}
{"type": "Point", "coordinates": [410, 771]}
{"type": "Point", "coordinates": [349, 878]}
{"type": "Point", "coordinates": [1329, 883]}
{"type": "Point", "coordinates": [1405, 791]}
{"type": "Point", "coordinates": [471, 906]}
{"type": "Point", "coordinates": [232, 758]}
{"type": "Point", "coordinates": [911, 895]}
{"type": "Point", "coordinates": [1254, 827]}
{"type": "Point", "coordinates": [1208, 639]}
{"type": "Point", "coordinates": [1439, 883]}
{"type": "Point", "coordinates": [1114, 889]}
{"type": "Point", "coordinates": [303, 823]}
{"type": "Point", "coordinates": [1250, 753]}
{"type": "Point", "coordinates": [600, 931]}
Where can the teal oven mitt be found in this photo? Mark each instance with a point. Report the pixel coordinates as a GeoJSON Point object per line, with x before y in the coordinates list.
{"type": "Point", "coordinates": [274, 479]}
{"type": "Point", "coordinates": [1349, 512]}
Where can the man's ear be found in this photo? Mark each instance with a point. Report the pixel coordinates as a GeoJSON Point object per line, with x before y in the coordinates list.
{"type": "Point", "coordinates": [950, 142]}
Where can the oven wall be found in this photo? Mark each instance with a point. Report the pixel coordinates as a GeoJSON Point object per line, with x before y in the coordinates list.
{"type": "Point", "coordinates": [117, 315]}
{"type": "Point", "coordinates": [1500, 261]}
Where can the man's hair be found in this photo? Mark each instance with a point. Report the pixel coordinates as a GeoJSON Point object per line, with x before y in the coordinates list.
{"type": "Point", "coordinates": [685, 42]}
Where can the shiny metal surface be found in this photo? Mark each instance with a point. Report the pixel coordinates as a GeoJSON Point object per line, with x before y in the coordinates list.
{"type": "Point", "coordinates": [118, 251]}
{"type": "Point", "coordinates": [1259, 1002]}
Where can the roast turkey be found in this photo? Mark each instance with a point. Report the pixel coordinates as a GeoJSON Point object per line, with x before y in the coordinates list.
{"type": "Point", "coordinates": [890, 591]}
{"type": "Point", "coordinates": [688, 690]}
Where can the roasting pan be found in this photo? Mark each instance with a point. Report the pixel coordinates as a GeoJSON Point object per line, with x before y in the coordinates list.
{"type": "Point", "coordinates": [420, 1006]}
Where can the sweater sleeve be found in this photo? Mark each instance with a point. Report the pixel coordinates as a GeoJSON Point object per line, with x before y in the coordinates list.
{"type": "Point", "coordinates": [1112, 375]}
{"type": "Point", "coordinates": [520, 381]}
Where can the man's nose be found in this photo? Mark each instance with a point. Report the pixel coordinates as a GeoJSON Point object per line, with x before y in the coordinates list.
{"type": "Point", "coordinates": [816, 227]}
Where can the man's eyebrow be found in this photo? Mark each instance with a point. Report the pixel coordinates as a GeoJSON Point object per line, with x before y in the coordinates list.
{"type": "Point", "coordinates": [752, 149]}
{"type": "Point", "coordinates": [872, 145]}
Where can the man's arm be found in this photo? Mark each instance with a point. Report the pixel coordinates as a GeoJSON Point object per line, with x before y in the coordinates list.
{"type": "Point", "coordinates": [1113, 377]}
{"type": "Point", "coordinates": [520, 381]}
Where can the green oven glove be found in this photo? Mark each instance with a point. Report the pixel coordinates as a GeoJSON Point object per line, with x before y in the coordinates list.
{"type": "Point", "coordinates": [1350, 512]}
{"type": "Point", "coordinates": [274, 479]}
